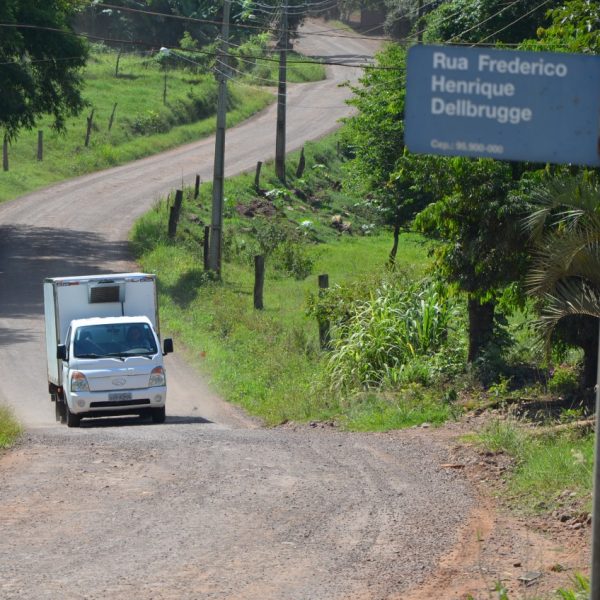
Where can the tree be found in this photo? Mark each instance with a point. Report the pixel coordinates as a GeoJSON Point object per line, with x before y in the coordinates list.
{"type": "Point", "coordinates": [575, 27]}
{"type": "Point", "coordinates": [381, 169]}
{"type": "Point", "coordinates": [482, 249]}
{"type": "Point", "coordinates": [492, 21]}
{"type": "Point", "coordinates": [564, 225]}
{"type": "Point", "coordinates": [41, 63]}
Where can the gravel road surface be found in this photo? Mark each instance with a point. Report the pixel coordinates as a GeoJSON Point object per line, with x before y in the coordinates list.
{"type": "Point", "coordinates": [208, 505]}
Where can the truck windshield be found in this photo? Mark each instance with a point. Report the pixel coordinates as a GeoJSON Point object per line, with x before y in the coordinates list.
{"type": "Point", "coordinates": [117, 339]}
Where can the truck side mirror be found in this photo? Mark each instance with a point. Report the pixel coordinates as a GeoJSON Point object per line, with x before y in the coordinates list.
{"type": "Point", "coordinates": [61, 352]}
{"type": "Point", "coordinates": [167, 346]}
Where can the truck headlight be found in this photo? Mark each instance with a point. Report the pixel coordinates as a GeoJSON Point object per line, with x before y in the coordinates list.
{"type": "Point", "coordinates": [157, 377]}
{"type": "Point", "coordinates": [79, 383]}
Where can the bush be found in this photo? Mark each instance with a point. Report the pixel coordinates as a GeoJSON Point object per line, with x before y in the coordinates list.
{"type": "Point", "coordinates": [564, 381]}
{"type": "Point", "coordinates": [294, 260]}
{"type": "Point", "coordinates": [382, 335]}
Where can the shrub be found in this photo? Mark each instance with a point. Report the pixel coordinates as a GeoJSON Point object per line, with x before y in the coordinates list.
{"type": "Point", "coordinates": [564, 380]}
{"type": "Point", "coordinates": [383, 334]}
{"type": "Point", "coordinates": [294, 260]}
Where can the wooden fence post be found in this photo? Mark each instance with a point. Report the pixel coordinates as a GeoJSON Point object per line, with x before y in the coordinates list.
{"type": "Point", "coordinates": [40, 149]}
{"type": "Point", "coordinates": [197, 187]}
{"type": "Point", "coordinates": [206, 246]}
{"type": "Point", "coordinates": [259, 281]}
{"type": "Point", "coordinates": [257, 175]}
{"type": "Point", "coordinates": [112, 116]}
{"type": "Point", "coordinates": [5, 153]}
{"type": "Point", "coordinates": [118, 60]}
{"type": "Point", "coordinates": [165, 89]}
{"type": "Point", "coordinates": [324, 325]}
{"type": "Point", "coordinates": [301, 164]}
{"type": "Point", "coordinates": [88, 133]}
{"type": "Point", "coordinates": [174, 213]}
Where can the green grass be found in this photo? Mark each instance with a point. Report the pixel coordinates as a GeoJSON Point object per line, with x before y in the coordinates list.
{"type": "Point", "coordinates": [143, 124]}
{"type": "Point", "coordinates": [269, 361]}
{"type": "Point", "coordinates": [545, 465]}
{"type": "Point", "coordinates": [9, 428]}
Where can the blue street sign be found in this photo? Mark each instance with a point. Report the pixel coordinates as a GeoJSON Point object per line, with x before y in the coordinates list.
{"type": "Point", "coordinates": [504, 104]}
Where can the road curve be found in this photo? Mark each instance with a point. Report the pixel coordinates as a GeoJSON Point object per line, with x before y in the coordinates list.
{"type": "Point", "coordinates": [80, 226]}
{"type": "Point", "coordinates": [207, 505]}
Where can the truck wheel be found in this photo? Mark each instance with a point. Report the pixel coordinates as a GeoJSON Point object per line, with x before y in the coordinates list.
{"type": "Point", "coordinates": [59, 411]}
{"type": "Point", "coordinates": [71, 419]}
{"type": "Point", "coordinates": [159, 415]}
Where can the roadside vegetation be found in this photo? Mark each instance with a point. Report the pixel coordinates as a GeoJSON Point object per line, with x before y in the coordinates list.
{"type": "Point", "coordinates": [468, 305]}
{"type": "Point", "coordinates": [161, 102]}
{"type": "Point", "coordinates": [9, 428]}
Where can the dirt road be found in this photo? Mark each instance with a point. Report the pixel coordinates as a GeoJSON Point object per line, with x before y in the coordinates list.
{"type": "Point", "coordinates": [207, 505]}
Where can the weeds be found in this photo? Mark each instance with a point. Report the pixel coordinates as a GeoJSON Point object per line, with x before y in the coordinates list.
{"type": "Point", "coordinates": [9, 427]}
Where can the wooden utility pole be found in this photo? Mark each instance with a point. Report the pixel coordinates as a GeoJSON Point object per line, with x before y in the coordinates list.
{"type": "Point", "coordinates": [281, 96]}
{"type": "Point", "coordinates": [216, 233]}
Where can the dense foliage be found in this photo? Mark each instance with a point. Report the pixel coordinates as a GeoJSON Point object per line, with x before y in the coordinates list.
{"type": "Point", "coordinates": [40, 63]}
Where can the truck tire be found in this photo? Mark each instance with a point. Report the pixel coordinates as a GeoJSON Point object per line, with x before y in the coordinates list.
{"type": "Point", "coordinates": [59, 411]}
{"type": "Point", "coordinates": [72, 420]}
{"type": "Point", "coordinates": [159, 415]}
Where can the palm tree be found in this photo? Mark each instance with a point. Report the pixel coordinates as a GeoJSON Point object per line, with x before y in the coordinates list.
{"type": "Point", "coordinates": [565, 274]}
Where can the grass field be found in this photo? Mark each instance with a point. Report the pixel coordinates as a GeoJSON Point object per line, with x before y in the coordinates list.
{"type": "Point", "coordinates": [269, 361]}
{"type": "Point", "coordinates": [144, 123]}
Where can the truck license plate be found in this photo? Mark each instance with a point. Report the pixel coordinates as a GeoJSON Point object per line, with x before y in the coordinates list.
{"type": "Point", "coordinates": [119, 396]}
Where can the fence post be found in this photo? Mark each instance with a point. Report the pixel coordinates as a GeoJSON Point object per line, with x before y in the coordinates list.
{"type": "Point", "coordinates": [40, 149]}
{"type": "Point", "coordinates": [324, 325]}
{"type": "Point", "coordinates": [259, 281]}
{"type": "Point", "coordinates": [174, 213]}
{"type": "Point", "coordinates": [112, 116]}
{"type": "Point", "coordinates": [88, 133]}
{"type": "Point", "coordinates": [257, 175]}
{"type": "Point", "coordinates": [206, 244]}
{"type": "Point", "coordinates": [197, 187]}
{"type": "Point", "coordinates": [5, 153]}
{"type": "Point", "coordinates": [301, 164]}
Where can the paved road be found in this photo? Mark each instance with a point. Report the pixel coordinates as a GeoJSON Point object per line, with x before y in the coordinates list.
{"type": "Point", "coordinates": [207, 505]}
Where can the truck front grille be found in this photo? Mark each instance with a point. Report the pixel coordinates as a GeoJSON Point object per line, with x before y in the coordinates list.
{"type": "Point", "coordinates": [109, 403]}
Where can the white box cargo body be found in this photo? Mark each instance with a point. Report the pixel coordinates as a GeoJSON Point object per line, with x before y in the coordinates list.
{"type": "Point", "coordinates": [76, 307]}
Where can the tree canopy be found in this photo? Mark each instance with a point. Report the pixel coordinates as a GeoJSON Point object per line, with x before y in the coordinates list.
{"type": "Point", "coordinates": [41, 60]}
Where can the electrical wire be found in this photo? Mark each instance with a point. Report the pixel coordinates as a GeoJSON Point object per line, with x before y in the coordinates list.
{"type": "Point", "coordinates": [511, 24]}
{"type": "Point", "coordinates": [483, 21]}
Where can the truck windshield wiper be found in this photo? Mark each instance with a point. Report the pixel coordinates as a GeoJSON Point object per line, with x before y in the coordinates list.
{"type": "Point", "coordinates": [89, 355]}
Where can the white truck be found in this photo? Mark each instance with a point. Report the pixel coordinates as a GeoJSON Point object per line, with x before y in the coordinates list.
{"type": "Point", "coordinates": [103, 347]}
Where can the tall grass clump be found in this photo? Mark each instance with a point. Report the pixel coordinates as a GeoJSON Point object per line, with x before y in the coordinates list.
{"type": "Point", "coordinates": [9, 427]}
{"type": "Point", "coordinates": [383, 339]}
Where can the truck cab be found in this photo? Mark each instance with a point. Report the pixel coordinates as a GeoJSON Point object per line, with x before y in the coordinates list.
{"type": "Point", "coordinates": [113, 365]}
{"type": "Point", "coordinates": [103, 347]}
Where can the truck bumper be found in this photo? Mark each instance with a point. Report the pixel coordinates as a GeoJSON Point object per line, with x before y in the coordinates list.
{"type": "Point", "coordinates": [123, 401]}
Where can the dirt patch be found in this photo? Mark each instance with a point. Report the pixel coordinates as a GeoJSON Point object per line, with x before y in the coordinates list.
{"type": "Point", "coordinates": [530, 557]}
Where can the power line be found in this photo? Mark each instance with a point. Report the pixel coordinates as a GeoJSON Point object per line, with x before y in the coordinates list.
{"type": "Point", "coordinates": [484, 20]}
{"type": "Point", "coordinates": [511, 24]}
{"type": "Point", "coordinates": [205, 53]}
